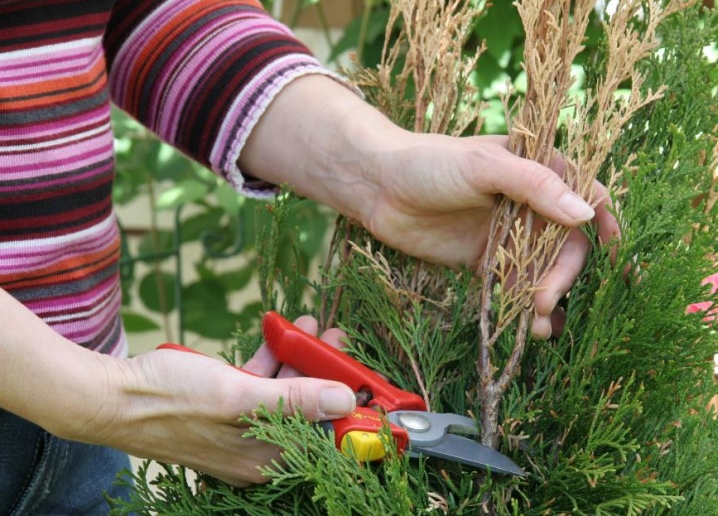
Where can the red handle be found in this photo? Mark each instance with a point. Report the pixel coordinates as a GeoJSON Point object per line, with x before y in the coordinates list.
{"type": "Point", "coordinates": [318, 359]}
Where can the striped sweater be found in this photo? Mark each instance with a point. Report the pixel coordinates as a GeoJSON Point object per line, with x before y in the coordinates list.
{"type": "Point", "coordinates": [199, 73]}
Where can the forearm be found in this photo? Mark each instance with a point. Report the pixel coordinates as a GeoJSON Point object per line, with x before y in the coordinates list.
{"type": "Point", "coordinates": [47, 379]}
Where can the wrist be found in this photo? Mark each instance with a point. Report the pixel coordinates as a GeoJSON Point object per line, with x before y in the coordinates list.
{"type": "Point", "coordinates": [92, 409]}
{"type": "Point", "coordinates": [358, 176]}
{"type": "Point", "coordinates": [50, 381]}
{"type": "Point", "coordinates": [331, 145]}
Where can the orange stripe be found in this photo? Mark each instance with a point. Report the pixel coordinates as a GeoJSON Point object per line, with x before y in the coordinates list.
{"type": "Point", "coordinates": [82, 267]}
{"type": "Point", "coordinates": [46, 93]}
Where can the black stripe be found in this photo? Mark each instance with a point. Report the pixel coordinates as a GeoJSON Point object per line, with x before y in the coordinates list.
{"type": "Point", "coordinates": [61, 202]}
{"type": "Point", "coordinates": [78, 286]}
{"type": "Point", "coordinates": [158, 64]}
{"type": "Point", "coordinates": [43, 13]}
{"type": "Point", "coordinates": [215, 84]}
{"type": "Point", "coordinates": [55, 230]}
{"type": "Point", "coordinates": [111, 335]}
{"type": "Point", "coordinates": [126, 17]}
{"type": "Point", "coordinates": [59, 111]}
{"type": "Point", "coordinates": [39, 180]}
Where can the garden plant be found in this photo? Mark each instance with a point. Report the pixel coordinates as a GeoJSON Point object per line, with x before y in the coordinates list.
{"type": "Point", "coordinates": [611, 417]}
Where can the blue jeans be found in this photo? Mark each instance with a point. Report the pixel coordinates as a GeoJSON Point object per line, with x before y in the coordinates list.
{"type": "Point", "coordinates": [41, 474]}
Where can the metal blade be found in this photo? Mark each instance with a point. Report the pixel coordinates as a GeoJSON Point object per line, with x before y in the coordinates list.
{"type": "Point", "coordinates": [469, 452]}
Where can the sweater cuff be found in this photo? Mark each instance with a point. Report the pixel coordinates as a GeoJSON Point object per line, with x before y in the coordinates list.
{"type": "Point", "coordinates": [246, 112]}
{"type": "Point", "coordinates": [200, 74]}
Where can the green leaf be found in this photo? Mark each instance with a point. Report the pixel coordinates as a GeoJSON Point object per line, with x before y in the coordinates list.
{"type": "Point", "coordinates": [228, 198]}
{"type": "Point", "coordinates": [193, 227]}
{"type": "Point", "coordinates": [494, 119]}
{"type": "Point", "coordinates": [157, 291]}
{"type": "Point", "coordinates": [185, 191]}
{"type": "Point", "coordinates": [206, 312]}
{"type": "Point", "coordinates": [249, 317]}
{"type": "Point", "coordinates": [137, 323]}
{"type": "Point", "coordinates": [491, 77]}
{"type": "Point", "coordinates": [237, 279]}
{"type": "Point", "coordinates": [172, 165]}
{"type": "Point", "coordinates": [499, 28]}
{"type": "Point", "coordinates": [378, 19]}
{"type": "Point", "coordinates": [153, 244]}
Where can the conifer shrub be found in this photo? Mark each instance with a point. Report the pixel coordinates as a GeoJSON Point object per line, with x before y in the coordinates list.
{"type": "Point", "coordinates": [611, 417]}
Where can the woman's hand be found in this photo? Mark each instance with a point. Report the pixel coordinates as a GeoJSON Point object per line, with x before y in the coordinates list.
{"type": "Point", "coordinates": [183, 408]}
{"type": "Point", "coordinates": [430, 196]}
{"type": "Point", "coordinates": [437, 197]}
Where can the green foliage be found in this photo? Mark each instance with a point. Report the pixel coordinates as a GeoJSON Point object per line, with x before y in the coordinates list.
{"type": "Point", "coordinates": [297, 486]}
{"type": "Point", "coordinates": [222, 224]}
{"type": "Point", "coordinates": [610, 418]}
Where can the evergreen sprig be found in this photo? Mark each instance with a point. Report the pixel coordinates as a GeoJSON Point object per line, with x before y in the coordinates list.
{"type": "Point", "coordinates": [610, 418]}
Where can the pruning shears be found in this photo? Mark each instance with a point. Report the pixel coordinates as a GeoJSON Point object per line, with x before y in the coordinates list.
{"type": "Point", "coordinates": [414, 429]}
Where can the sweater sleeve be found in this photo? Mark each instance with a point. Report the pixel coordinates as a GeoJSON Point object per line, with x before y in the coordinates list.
{"type": "Point", "coordinates": [200, 73]}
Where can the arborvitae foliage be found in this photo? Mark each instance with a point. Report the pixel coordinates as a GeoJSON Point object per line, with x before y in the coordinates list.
{"type": "Point", "coordinates": [610, 418]}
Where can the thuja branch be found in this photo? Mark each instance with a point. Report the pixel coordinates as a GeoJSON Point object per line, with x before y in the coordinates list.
{"type": "Point", "coordinates": [522, 249]}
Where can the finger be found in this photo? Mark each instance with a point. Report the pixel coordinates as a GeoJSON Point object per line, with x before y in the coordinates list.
{"type": "Point", "coordinates": [317, 399]}
{"type": "Point", "coordinates": [307, 323]}
{"type": "Point", "coordinates": [609, 231]}
{"type": "Point", "coordinates": [544, 327]}
{"type": "Point", "coordinates": [541, 327]}
{"type": "Point", "coordinates": [263, 363]}
{"type": "Point", "coordinates": [558, 281]}
{"type": "Point", "coordinates": [529, 182]}
{"type": "Point", "coordinates": [335, 337]}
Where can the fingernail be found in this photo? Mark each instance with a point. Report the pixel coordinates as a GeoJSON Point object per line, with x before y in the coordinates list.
{"type": "Point", "coordinates": [336, 401]}
{"type": "Point", "coordinates": [575, 207]}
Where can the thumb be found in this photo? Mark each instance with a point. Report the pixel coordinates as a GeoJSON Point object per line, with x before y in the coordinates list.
{"type": "Point", "coordinates": [318, 399]}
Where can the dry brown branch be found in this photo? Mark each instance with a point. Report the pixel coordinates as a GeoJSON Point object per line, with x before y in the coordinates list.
{"type": "Point", "coordinates": [432, 41]}
{"type": "Point", "coordinates": [521, 247]}
{"type": "Point", "coordinates": [521, 251]}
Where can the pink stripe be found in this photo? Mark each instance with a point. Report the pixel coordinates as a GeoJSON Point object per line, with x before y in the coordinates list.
{"type": "Point", "coordinates": [126, 57]}
{"type": "Point", "coordinates": [31, 165]}
{"type": "Point", "coordinates": [22, 63]}
{"type": "Point", "coordinates": [77, 302]}
{"type": "Point", "coordinates": [173, 79]}
{"type": "Point", "coordinates": [85, 329]}
{"type": "Point", "coordinates": [246, 111]}
{"type": "Point", "coordinates": [71, 66]}
{"type": "Point", "coordinates": [96, 171]}
{"type": "Point", "coordinates": [38, 258]}
{"type": "Point", "coordinates": [214, 44]}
